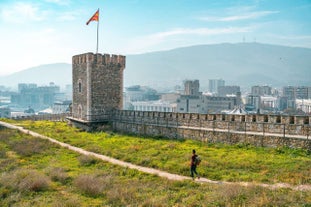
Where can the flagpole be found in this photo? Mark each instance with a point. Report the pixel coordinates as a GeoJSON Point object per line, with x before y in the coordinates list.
{"type": "Point", "coordinates": [97, 34]}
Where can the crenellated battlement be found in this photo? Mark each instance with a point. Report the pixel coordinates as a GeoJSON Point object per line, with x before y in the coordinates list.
{"type": "Point", "coordinates": [104, 59]}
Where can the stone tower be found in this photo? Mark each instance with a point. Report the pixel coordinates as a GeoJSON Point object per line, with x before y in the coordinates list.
{"type": "Point", "coordinates": [97, 82]}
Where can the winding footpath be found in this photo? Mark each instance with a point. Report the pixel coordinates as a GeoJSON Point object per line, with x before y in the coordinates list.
{"type": "Point", "coordinates": [159, 173]}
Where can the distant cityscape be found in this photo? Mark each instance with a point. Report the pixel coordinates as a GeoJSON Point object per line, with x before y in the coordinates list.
{"type": "Point", "coordinates": [32, 99]}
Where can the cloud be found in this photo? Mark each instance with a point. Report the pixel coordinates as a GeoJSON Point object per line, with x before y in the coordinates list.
{"type": "Point", "coordinates": [68, 16]}
{"type": "Point", "coordinates": [20, 12]}
{"type": "Point", "coordinates": [245, 16]}
{"type": "Point", "coordinates": [59, 2]}
{"type": "Point", "coordinates": [199, 31]}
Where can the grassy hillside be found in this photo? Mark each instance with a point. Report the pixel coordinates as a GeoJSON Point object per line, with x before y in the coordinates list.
{"type": "Point", "coordinates": [35, 172]}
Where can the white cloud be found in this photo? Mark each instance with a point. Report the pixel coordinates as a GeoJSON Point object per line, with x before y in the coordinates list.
{"type": "Point", "coordinates": [59, 2]}
{"type": "Point", "coordinates": [245, 16]}
{"type": "Point", "coordinates": [20, 12]}
{"type": "Point", "coordinates": [68, 16]}
{"type": "Point", "coordinates": [199, 31]}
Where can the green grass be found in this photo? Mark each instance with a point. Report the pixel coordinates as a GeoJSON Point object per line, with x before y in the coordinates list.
{"type": "Point", "coordinates": [220, 162]}
{"type": "Point", "coordinates": [65, 178]}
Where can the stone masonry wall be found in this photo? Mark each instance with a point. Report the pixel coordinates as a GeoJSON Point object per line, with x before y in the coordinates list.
{"type": "Point", "coordinates": [101, 78]}
{"type": "Point", "coordinates": [258, 130]}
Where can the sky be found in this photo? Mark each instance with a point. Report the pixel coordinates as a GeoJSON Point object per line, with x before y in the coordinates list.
{"type": "Point", "coordinates": [36, 32]}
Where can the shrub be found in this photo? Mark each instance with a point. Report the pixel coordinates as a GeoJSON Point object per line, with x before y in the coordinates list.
{"type": "Point", "coordinates": [58, 174]}
{"type": "Point", "coordinates": [25, 180]}
{"type": "Point", "coordinates": [85, 160]}
{"type": "Point", "coordinates": [89, 184]}
{"type": "Point", "coordinates": [27, 147]}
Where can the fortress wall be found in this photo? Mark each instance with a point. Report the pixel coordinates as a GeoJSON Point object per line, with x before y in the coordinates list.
{"type": "Point", "coordinates": [289, 125]}
{"type": "Point", "coordinates": [258, 130]}
{"type": "Point", "coordinates": [211, 136]}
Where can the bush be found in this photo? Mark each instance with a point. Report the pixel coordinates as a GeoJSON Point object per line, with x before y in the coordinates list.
{"type": "Point", "coordinates": [28, 147]}
{"type": "Point", "coordinates": [58, 174]}
{"type": "Point", "coordinates": [85, 160]}
{"type": "Point", "coordinates": [25, 180]}
{"type": "Point", "coordinates": [90, 184]}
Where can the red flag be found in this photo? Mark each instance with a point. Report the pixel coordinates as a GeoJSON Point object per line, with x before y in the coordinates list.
{"type": "Point", "coordinates": [95, 17]}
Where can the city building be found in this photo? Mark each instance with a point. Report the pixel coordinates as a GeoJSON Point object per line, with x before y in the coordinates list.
{"type": "Point", "coordinates": [30, 95]}
{"type": "Point", "coordinates": [297, 92]}
{"type": "Point", "coordinates": [189, 104]}
{"type": "Point", "coordinates": [216, 104]}
{"type": "Point", "coordinates": [304, 105]}
{"type": "Point", "coordinates": [228, 90]}
{"type": "Point", "coordinates": [191, 87]}
{"type": "Point", "coordinates": [213, 84]}
{"type": "Point", "coordinates": [269, 103]}
{"type": "Point", "coordinates": [170, 97]}
{"type": "Point", "coordinates": [154, 106]}
{"type": "Point", "coordinates": [261, 90]}
{"type": "Point", "coordinates": [303, 92]}
{"type": "Point", "coordinates": [141, 93]}
{"type": "Point", "coordinates": [61, 107]}
{"type": "Point", "coordinates": [253, 102]}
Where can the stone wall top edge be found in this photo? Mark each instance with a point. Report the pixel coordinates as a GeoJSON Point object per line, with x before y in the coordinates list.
{"type": "Point", "coordinates": [204, 116]}
{"type": "Point", "coordinates": [98, 58]}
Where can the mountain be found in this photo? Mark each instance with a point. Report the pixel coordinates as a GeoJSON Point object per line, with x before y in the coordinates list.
{"type": "Point", "coordinates": [243, 64]}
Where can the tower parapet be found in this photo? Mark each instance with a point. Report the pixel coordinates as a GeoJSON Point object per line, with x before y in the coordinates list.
{"type": "Point", "coordinates": [97, 81]}
{"type": "Point", "coordinates": [104, 59]}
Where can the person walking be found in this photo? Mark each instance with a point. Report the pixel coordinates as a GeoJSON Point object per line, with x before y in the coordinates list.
{"type": "Point", "coordinates": [193, 165]}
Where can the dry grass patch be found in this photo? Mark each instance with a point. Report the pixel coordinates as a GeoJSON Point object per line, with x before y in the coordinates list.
{"type": "Point", "coordinates": [59, 175]}
{"type": "Point", "coordinates": [92, 184]}
{"type": "Point", "coordinates": [28, 147]}
{"type": "Point", "coordinates": [86, 160]}
{"type": "Point", "coordinates": [25, 180]}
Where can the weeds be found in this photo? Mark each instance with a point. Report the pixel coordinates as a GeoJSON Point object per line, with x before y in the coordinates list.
{"type": "Point", "coordinates": [25, 180]}
{"type": "Point", "coordinates": [59, 175]}
{"type": "Point", "coordinates": [91, 185]}
{"type": "Point", "coordinates": [86, 160]}
{"type": "Point", "coordinates": [28, 147]}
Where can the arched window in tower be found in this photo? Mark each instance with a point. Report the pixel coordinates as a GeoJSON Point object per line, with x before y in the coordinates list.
{"type": "Point", "coordinates": [80, 86]}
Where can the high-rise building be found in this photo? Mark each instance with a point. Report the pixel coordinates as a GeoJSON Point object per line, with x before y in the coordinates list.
{"type": "Point", "coordinates": [228, 90]}
{"type": "Point", "coordinates": [297, 92]}
{"type": "Point", "coordinates": [261, 90]}
{"type": "Point", "coordinates": [213, 84]}
{"type": "Point", "coordinates": [38, 98]}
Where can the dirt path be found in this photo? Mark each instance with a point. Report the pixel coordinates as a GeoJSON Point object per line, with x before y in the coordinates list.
{"type": "Point", "coordinates": [160, 173]}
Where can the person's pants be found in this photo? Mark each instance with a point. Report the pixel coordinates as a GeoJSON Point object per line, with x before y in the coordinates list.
{"type": "Point", "coordinates": [193, 170]}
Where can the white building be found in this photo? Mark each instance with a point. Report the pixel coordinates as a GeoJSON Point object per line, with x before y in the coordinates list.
{"type": "Point", "coordinates": [159, 105]}
{"type": "Point", "coordinates": [304, 105]}
{"type": "Point", "coordinates": [269, 102]}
